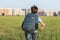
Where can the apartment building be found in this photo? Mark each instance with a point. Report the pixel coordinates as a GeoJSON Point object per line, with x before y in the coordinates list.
{"type": "Point", "coordinates": [18, 11]}
{"type": "Point", "coordinates": [11, 11]}
{"type": "Point", "coordinates": [5, 11]}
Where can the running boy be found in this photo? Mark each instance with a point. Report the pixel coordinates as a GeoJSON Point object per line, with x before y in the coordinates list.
{"type": "Point", "coordinates": [30, 23]}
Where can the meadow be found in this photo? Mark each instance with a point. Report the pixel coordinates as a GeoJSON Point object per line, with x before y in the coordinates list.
{"type": "Point", "coordinates": [10, 28]}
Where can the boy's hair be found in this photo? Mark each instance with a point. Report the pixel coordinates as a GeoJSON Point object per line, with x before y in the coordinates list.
{"type": "Point", "coordinates": [34, 9]}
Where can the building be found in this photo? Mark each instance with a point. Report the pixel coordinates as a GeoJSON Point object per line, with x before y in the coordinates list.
{"type": "Point", "coordinates": [58, 13]}
{"type": "Point", "coordinates": [49, 12]}
{"type": "Point", "coordinates": [1, 11]}
{"type": "Point", "coordinates": [5, 11]}
{"type": "Point", "coordinates": [41, 12]}
{"type": "Point", "coordinates": [11, 11]}
{"type": "Point", "coordinates": [18, 11]}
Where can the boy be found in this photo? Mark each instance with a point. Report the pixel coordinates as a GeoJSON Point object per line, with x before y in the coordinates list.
{"type": "Point", "coordinates": [30, 23]}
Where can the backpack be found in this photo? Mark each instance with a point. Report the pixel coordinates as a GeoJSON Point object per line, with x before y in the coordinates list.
{"type": "Point", "coordinates": [30, 22]}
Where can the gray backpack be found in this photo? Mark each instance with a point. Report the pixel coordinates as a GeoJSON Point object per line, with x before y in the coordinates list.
{"type": "Point", "coordinates": [30, 22]}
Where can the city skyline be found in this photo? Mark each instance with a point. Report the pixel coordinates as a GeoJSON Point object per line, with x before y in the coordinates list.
{"type": "Point", "coordinates": [18, 11]}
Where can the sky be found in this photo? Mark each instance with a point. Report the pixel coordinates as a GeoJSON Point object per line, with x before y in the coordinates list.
{"type": "Point", "coordinates": [41, 4]}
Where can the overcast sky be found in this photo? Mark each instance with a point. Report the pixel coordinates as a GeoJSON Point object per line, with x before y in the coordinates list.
{"type": "Point", "coordinates": [42, 4]}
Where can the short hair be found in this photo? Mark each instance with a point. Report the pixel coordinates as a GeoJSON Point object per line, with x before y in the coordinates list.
{"type": "Point", "coordinates": [34, 9]}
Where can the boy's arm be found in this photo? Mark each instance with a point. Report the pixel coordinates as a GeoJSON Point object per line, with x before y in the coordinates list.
{"type": "Point", "coordinates": [41, 22]}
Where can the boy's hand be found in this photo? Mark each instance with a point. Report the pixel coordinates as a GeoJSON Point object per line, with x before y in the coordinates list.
{"type": "Point", "coordinates": [42, 28]}
{"type": "Point", "coordinates": [42, 25]}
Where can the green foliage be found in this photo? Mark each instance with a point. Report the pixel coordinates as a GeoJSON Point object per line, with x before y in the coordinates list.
{"type": "Point", "coordinates": [10, 28]}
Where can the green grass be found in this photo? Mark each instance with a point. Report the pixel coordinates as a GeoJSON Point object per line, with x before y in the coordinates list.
{"type": "Point", "coordinates": [10, 28]}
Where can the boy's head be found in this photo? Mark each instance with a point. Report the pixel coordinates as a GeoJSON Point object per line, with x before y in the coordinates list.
{"type": "Point", "coordinates": [34, 9]}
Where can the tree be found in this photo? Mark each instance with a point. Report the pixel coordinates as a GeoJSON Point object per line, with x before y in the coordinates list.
{"type": "Point", "coordinates": [54, 14]}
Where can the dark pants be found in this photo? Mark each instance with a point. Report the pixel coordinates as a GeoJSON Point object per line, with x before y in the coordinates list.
{"type": "Point", "coordinates": [28, 35]}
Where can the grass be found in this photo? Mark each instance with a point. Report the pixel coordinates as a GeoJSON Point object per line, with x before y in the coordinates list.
{"type": "Point", "coordinates": [10, 28]}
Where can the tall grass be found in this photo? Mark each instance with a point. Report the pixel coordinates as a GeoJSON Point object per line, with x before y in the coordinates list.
{"type": "Point", "coordinates": [10, 28]}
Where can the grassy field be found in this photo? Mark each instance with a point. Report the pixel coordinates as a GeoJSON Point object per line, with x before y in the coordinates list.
{"type": "Point", "coordinates": [10, 28]}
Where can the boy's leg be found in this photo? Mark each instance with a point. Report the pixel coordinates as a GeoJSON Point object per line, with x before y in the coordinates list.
{"type": "Point", "coordinates": [33, 36]}
{"type": "Point", "coordinates": [27, 36]}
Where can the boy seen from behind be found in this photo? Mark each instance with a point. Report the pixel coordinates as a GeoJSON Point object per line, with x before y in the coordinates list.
{"type": "Point", "coordinates": [30, 23]}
